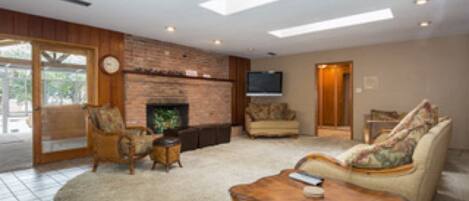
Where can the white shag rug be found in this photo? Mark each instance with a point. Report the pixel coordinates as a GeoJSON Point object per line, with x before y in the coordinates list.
{"type": "Point", "coordinates": [207, 174]}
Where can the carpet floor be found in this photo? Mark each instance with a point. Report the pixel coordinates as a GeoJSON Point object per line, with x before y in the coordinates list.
{"type": "Point", "coordinates": [207, 175]}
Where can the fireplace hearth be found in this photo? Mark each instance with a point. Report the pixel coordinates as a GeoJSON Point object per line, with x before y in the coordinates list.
{"type": "Point", "coordinates": [162, 116]}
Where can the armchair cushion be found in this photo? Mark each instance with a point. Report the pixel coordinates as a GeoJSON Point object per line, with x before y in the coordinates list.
{"type": "Point", "coordinates": [110, 120]}
{"type": "Point", "coordinates": [143, 144]}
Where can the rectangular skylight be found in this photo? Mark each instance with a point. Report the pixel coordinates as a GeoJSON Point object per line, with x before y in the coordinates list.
{"type": "Point", "coordinates": [347, 21]}
{"type": "Point", "coordinates": [228, 7]}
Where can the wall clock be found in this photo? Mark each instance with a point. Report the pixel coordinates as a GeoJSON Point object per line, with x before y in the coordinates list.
{"type": "Point", "coordinates": [110, 64]}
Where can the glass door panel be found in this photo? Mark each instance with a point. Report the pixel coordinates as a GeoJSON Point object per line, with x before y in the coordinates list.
{"type": "Point", "coordinates": [16, 123]}
{"type": "Point", "coordinates": [63, 91]}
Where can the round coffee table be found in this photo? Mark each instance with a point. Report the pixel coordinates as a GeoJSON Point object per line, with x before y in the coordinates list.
{"type": "Point", "coordinates": [166, 151]}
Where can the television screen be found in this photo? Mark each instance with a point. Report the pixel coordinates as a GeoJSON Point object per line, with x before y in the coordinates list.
{"type": "Point", "coordinates": [264, 83]}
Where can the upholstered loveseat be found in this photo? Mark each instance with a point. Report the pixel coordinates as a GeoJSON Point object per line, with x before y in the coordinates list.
{"type": "Point", "coordinates": [415, 181]}
{"type": "Point", "coordinates": [270, 120]}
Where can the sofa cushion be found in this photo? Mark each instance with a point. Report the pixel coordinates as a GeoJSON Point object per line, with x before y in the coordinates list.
{"type": "Point", "coordinates": [274, 124]}
{"type": "Point", "coordinates": [277, 111]}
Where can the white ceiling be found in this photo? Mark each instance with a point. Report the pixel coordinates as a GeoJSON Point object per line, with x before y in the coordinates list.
{"type": "Point", "coordinates": [198, 27]}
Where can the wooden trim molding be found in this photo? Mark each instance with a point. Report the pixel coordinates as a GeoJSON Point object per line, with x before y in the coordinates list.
{"type": "Point", "coordinates": [400, 170]}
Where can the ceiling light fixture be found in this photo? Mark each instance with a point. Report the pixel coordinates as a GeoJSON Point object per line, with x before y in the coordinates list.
{"type": "Point", "coordinates": [251, 49]}
{"type": "Point", "coordinates": [170, 29]}
{"type": "Point", "coordinates": [217, 42]}
{"type": "Point", "coordinates": [425, 23]}
{"type": "Point", "coordinates": [228, 7]}
{"type": "Point", "coordinates": [347, 21]}
{"type": "Point", "coordinates": [421, 2]}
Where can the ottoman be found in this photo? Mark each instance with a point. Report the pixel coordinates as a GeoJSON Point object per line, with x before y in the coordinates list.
{"type": "Point", "coordinates": [166, 151]}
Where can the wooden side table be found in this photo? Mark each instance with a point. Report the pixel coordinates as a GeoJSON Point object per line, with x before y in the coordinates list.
{"type": "Point", "coordinates": [166, 151]}
{"type": "Point", "coordinates": [281, 188]}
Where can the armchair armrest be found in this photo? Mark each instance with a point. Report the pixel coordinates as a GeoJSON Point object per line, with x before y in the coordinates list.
{"type": "Point", "coordinates": [400, 170]}
{"type": "Point", "coordinates": [247, 120]}
{"type": "Point", "coordinates": [142, 129]}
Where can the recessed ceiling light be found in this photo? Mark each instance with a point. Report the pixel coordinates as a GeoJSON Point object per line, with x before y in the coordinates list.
{"type": "Point", "coordinates": [217, 42]}
{"type": "Point", "coordinates": [251, 49]}
{"type": "Point", "coordinates": [170, 29]}
{"type": "Point", "coordinates": [228, 7]}
{"type": "Point", "coordinates": [421, 2]}
{"type": "Point", "coordinates": [425, 23]}
{"type": "Point", "coordinates": [347, 21]}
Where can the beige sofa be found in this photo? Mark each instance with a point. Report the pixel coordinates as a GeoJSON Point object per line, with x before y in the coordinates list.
{"type": "Point", "coordinates": [415, 182]}
{"type": "Point", "coordinates": [270, 120]}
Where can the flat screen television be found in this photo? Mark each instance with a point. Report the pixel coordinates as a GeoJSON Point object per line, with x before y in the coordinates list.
{"type": "Point", "coordinates": [268, 83]}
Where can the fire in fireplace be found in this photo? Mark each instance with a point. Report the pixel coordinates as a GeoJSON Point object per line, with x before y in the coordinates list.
{"type": "Point", "coordinates": [168, 115]}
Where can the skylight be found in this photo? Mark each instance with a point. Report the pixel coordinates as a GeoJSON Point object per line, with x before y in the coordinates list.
{"type": "Point", "coordinates": [347, 21]}
{"type": "Point", "coordinates": [228, 7]}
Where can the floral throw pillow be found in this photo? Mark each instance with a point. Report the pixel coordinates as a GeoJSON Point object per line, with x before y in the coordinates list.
{"type": "Point", "coordinates": [259, 111]}
{"type": "Point", "coordinates": [110, 120]}
{"type": "Point", "coordinates": [424, 114]}
{"type": "Point", "coordinates": [393, 152]}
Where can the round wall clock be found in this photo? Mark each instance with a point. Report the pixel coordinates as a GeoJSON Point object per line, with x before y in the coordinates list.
{"type": "Point", "coordinates": [110, 64]}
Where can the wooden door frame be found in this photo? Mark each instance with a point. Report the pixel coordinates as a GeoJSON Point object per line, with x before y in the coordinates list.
{"type": "Point", "coordinates": [318, 94]}
{"type": "Point", "coordinates": [93, 96]}
{"type": "Point", "coordinates": [92, 81]}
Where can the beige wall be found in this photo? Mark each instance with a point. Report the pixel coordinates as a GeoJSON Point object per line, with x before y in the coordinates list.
{"type": "Point", "coordinates": [436, 69]}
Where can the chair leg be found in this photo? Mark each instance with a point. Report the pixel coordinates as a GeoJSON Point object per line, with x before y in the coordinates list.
{"type": "Point", "coordinates": [95, 164]}
{"type": "Point", "coordinates": [154, 165]}
{"type": "Point", "coordinates": [179, 162]}
{"type": "Point", "coordinates": [131, 166]}
{"type": "Point", "coordinates": [167, 168]}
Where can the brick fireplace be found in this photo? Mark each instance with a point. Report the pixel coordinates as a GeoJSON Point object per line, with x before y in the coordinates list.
{"type": "Point", "coordinates": [209, 102]}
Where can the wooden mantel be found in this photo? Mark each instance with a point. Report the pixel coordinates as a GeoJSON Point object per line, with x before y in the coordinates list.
{"type": "Point", "coordinates": [127, 71]}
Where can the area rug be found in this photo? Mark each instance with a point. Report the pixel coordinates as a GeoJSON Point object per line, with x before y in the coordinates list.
{"type": "Point", "coordinates": [207, 174]}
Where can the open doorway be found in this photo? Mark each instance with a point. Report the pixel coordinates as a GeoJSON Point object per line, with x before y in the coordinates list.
{"type": "Point", "coordinates": [334, 114]}
{"type": "Point", "coordinates": [16, 122]}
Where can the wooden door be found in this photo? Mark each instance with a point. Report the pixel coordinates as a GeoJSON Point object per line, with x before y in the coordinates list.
{"type": "Point", "coordinates": [334, 90]}
{"type": "Point", "coordinates": [64, 79]}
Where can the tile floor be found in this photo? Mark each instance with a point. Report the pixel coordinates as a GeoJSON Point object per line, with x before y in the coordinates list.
{"type": "Point", "coordinates": [41, 183]}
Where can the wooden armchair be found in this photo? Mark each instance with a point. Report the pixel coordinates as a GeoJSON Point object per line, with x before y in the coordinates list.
{"type": "Point", "coordinates": [113, 141]}
{"type": "Point", "coordinates": [378, 122]}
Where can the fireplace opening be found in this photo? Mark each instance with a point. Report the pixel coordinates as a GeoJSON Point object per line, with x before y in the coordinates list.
{"type": "Point", "coordinates": [161, 117]}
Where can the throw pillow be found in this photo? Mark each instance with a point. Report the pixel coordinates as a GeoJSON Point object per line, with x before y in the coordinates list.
{"type": "Point", "coordinates": [277, 111]}
{"type": "Point", "coordinates": [393, 152]}
{"type": "Point", "coordinates": [421, 115]}
{"type": "Point", "coordinates": [110, 120]}
{"type": "Point", "coordinates": [259, 111]}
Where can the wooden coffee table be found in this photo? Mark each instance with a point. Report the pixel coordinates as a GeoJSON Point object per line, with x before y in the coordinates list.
{"type": "Point", "coordinates": [281, 188]}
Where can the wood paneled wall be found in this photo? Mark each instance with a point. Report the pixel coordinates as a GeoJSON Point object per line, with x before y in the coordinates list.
{"type": "Point", "coordinates": [107, 42]}
{"type": "Point", "coordinates": [238, 70]}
